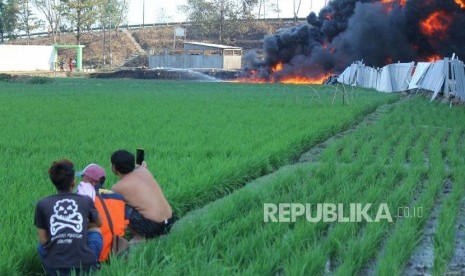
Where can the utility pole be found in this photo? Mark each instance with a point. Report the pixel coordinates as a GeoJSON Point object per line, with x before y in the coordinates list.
{"type": "Point", "coordinates": [143, 13]}
{"type": "Point", "coordinates": [111, 54]}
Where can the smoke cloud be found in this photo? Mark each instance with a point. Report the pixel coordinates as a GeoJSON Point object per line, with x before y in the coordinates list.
{"type": "Point", "coordinates": [378, 32]}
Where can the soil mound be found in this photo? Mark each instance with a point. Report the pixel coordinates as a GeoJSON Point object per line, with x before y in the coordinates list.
{"type": "Point", "coordinates": [169, 74]}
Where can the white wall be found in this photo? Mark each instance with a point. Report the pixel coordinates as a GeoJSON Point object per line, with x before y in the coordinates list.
{"type": "Point", "coordinates": [26, 58]}
{"type": "Point", "coordinates": [195, 61]}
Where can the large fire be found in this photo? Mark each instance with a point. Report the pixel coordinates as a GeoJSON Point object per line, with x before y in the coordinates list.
{"type": "Point", "coordinates": [286, 80]}
{"type": "Point", "coordinates": [344, 32]}
{"type": "Point", "coordinates": [303, 80]}
{"type": "Point", "coordinates": [276, 77]}
{"type": "Point", "coordinates": [436, 24]}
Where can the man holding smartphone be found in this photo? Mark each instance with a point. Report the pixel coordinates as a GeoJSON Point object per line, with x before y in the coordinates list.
{"type": "Point", "coordinates": [150, 215]}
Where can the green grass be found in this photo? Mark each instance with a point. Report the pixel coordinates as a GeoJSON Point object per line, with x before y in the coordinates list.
{"type": "Point", "coordinates": [398, 160]}
{"type": "Point", "coordinates": [202, 141]}
{"type": "Point", "coordinates": [205, 141]}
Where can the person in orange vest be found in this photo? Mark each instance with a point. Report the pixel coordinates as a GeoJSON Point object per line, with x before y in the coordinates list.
{"type": "Point", "coordinates": [109, 204]}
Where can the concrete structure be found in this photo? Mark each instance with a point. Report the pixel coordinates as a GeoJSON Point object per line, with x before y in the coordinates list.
{"type": "Point", "coordinates": [200, 55]}
{"type": "Point", "coordinates": [78, 53]}
{"type": "Point", "coordinates": [26, 58]}
{"type": "Point", "coordinates": [34, 57]}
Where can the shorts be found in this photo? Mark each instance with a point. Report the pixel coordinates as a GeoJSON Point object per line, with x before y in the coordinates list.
{"type": "Point", "coordinates": [145, 227]}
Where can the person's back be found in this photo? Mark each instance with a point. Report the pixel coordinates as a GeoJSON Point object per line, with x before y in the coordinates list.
{"type": "Point", "coordinates": [62, 221]}
{"type": "Point", "coordinates": [149, 212]}
{"type": "Point", "coordinates": [64, 216]}
{"type": "Point", "coordinates": [140, 190]}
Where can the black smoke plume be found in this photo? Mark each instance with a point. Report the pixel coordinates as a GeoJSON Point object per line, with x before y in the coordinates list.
{"type": "Point", "coordinates": [377, 32]}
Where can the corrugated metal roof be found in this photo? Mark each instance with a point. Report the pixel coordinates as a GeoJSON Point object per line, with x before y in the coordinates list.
{"type": "Point", "coordinates": [210, 45]}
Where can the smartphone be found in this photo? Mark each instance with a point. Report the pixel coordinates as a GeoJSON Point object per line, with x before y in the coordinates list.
{"type": "Point", "coordinates": [139, 156]}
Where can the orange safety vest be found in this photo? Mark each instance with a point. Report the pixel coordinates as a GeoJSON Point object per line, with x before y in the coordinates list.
{"type": "Point", "coordinates": [116, 209]}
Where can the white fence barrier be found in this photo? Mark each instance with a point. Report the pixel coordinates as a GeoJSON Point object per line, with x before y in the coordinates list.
{"type": "Point", "coordinates": [26, 58]}
{"type": "Point", "coordinates": [447, 75]}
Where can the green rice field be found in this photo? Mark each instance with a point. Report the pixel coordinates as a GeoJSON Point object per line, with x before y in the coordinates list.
{"type": "Point", "coordinates": [208, 144]}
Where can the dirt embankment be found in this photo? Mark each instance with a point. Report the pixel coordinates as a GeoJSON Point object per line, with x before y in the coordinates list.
{"type": "Point", "coordinates": [170, 74]}
{"type": "Point", "coordinates": [130, 47]}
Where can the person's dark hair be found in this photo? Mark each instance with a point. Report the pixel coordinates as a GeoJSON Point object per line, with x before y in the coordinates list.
{"type": "Point", "coordinates": [61, 174]}
{"type": "Point", "coordinates": [102, 180]}
{"type": "Point", "coordinates": [123, 161]}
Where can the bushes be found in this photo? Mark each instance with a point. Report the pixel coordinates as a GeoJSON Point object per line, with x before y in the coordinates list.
{"type": "Point", "coordinates": [25, 79]}
{"type": "Point", "coordinates": [5, 77]}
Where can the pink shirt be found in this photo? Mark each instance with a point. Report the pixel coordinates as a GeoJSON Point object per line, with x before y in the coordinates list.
{"type": "Point", "coordinates": [87, 189]}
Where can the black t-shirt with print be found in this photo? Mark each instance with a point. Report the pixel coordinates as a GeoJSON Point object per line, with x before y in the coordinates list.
{"type": "Point", "coordinates": [65, 217]}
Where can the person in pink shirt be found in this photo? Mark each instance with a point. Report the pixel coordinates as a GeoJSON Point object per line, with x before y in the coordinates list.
{"type": "Point", "coordinates": [91, 173]}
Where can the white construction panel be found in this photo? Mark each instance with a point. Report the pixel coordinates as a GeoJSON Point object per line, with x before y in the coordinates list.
{"type": "Point", "coordinates": [418, 75]}
{"type": "Point", "coordinates": [26, 58]}
{"type": "Point", "coordinates": [384, 81]}
{"type": "Point", "coordinates": [344, 77]}
{"type": "Point", "coordinates": [348, 76]}
{"type": "Point", "coordinates": [361, 75]}
{"type": "Point", "coordinates": [446, 87]}
{"type": "Point", "coordinates": [371, 77]}
{"type": "Point", "coordinates": [401, 74]}
{"type": "Point", "coordinates": [458, 75]}
{"type": "Point", "coordinates": [434, 78]}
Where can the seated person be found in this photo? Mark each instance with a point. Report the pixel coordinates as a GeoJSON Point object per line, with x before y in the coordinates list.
{"type": "Point", "coordinates": [150, 215]}
{"type": "Point", "coordinates": [110, 205]}
{"type": "Point", "coordinates": [62, 223]}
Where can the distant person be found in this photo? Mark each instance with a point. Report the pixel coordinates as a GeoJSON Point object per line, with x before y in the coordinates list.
{"type": "Point", "coordinates": [71, 64]}
{"type": "Point", "coordinates": [62, 64]}
{"type": "Point", "coordinates": [62, 220]}
{"type": "Point", "coordinates": [114, 222]}
{"type": "Point", "coordinates": [150, 214]}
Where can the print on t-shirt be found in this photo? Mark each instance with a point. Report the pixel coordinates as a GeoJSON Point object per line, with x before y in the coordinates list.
{"type": "Point", "coordinates": [66, 216]}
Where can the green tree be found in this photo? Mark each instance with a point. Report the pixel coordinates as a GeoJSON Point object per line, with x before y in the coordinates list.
{"type": "Point", "coordinates": [2, 25]}
{"type": "Point", "coordinates": [80, 14]}
{"type": "Point", "coordinates": [51, 9]}
{"type": "Point", "coordinates": [10, 18]}
{"type": "Point", "coordinates": [221, 18]}
{"type": "Point", "coordinates": [111, 14]}
{"type": "Point", "coordinates": [27, 21]}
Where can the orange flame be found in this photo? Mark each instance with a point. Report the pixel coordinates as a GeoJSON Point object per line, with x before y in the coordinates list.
{"type": "Point", "coordinates": [303, 80]}
{"type": "Point", "coordinates": [461, 3]}
{"type": "Point", "coordinates": [286, 80]}
{"type": "Point", "coordinates": [278, 67]}
{"type": "Point", "coordinates": [436, 24]}
{"type": "Point", "coordinates": [433, 58]}
{"type": "Point", "coordinates": [400, 2]}
{"type": "Point", "coordinates": [388, 4]}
